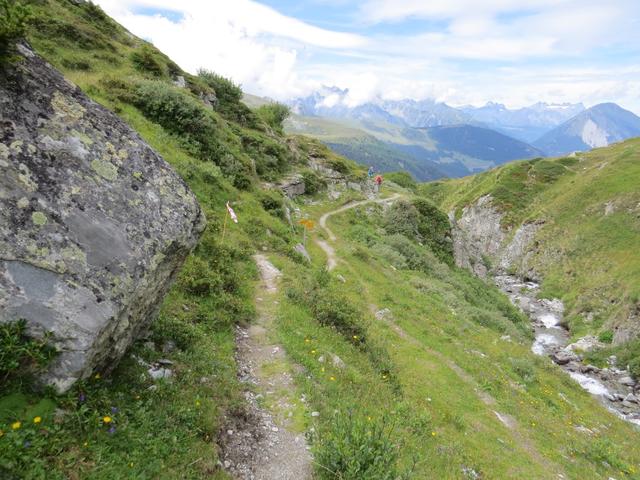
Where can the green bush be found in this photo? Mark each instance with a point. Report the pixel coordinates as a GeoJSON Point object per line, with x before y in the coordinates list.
{"type": "Point", "coordinates": [226, 91]}
{"type": "Point", "coordinates": [434, 229]}
{"type": "Point", "coordinates": [524, 368]}
{"type": "Point", "coordinates": [404, 179]}
{"type": "Point", "coordinates": [272, 202]}
{"type": "Point", "coordinates": [355, 447]}
{"type": "Point", "coordinates": [180, 113]}
{"type": "Point", "coordinates": [606, 336]}
{"type": "Point", "coordinates": [274, 115]}
{"type": "Point", "coordinates": [146, 61]}
{"type": "Point", "coordinates": [339, 165]}
{"type": "Point", "coordinates": [402, 218]}
{"type": "Point", "coordinates": [13, 23]}
{"type": "Point", "coordinates": [229, 97]}
{"type": "Point", "coordinates": [313, 183]}
{"type": "Point", "coordinates": [21, 355]}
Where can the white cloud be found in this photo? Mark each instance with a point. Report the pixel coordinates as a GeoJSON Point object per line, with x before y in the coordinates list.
{"type": "Point", "coordinates": [249, 42]}
{"type": "Point", "coordinates": [513, 51]}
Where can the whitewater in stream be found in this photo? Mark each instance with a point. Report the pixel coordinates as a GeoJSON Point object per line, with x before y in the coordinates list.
{"type": "Point", "coordinates": [613, 387]}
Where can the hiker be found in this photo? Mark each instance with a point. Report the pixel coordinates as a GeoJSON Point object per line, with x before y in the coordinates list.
{"type": "Point", "coordinates": [378, 182]}
{"type": "Point", "coordinates": [370, 171]}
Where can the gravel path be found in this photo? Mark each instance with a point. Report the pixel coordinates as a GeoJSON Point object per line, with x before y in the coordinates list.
{"type": "Point", "coordinates": [256, 445]}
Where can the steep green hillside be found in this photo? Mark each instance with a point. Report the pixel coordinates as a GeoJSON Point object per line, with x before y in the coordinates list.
{"type": "Point", "coordinates": [587, 249]}
{"type": "Point", "coordinates": [403, 365]}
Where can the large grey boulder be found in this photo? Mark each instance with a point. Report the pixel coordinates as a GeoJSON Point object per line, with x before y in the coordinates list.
{"type": "Point", "coordinates": [94, 224]}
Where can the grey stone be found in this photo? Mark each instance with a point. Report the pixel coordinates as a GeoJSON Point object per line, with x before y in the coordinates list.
{"type": "Point", "coordinates": [293, 186]}
{"type": "Point", "coordinates": [180, 82]}
{"type": "Point", "coordinates": [337, 361]}
{"type": "Point", "coordinates": [628, 381]}
{"type": "Point", "coordinates": [94, 224]}
{"type": "Point", "coordinates": [159, 373]}
{"type": "Point", "coordinates": [384, 314]}
{"type": "Point", "coordinates": [563, 357]}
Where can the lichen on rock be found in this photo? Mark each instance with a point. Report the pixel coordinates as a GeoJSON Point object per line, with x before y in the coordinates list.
{"type": "Point", "coordinates": [94, 224]}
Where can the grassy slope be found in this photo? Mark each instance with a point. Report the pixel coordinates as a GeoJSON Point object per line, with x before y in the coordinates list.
{"type": "Point", "coordinates": [445, 363]}
{"type": "Point", "coordinates": [586, 257]}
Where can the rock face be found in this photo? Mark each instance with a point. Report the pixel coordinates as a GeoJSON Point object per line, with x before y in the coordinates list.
{"type": "Point", "coordinates": [93, 223]}
{"type": "Point", "coordinates": [480, 243]}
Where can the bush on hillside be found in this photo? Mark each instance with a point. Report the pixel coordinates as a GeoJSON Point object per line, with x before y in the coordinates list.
{"type": "Point", "coordinates": [404, 179]}
{"type": "Point", "coordinates": [226, 91]}
{"type": "Point", "coordinates": [272, 202]}
{"type": "Point", "coordinates": [313, 183]}
{"type": "Point", "coordinates": [274, 115]}
{"type": "Point", "coordinates": [434, 229]}
{"type": "Point", "coordinates": [402, 218]}
{"type": "Point", "coordinates": [146, 61]}
{"type": "Point", "coordinates": [229, 97]}
{"type": "Point", "coordinates": [179, 113]}
{"type": "Point", "coordinates": [13, 24]}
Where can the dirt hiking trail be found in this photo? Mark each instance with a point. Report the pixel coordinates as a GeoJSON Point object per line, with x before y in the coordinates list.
{"type": "Point", "coordinates": [256, 444]}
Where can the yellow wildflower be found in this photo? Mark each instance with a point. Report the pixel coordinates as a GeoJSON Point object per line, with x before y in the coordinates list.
{"type": "Point", "coordinates": [332, 378]}
{"type": "Point", "coordinates": [197, 403]}
{"type": "Point", "coordinates": [37, 420]}
{"type": "Point", "coordinates": [433, 434]}
{"type": "Point", "coordinates": [97, 377]}
{"type": "Point", "coordinates": [16, 425]}
{"type": "Point", "coordinates": [355, 337]}
{"type": "Point", "coordinates": [85, 444]}
{"type": "Point", "coordinates": [106, 419]}
{"type": "Point", "coordinates": [131, 464]}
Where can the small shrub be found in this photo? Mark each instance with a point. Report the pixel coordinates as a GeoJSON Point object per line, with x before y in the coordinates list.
{"type": "Point", "coordinates": [226, 91]}
{"type": "Point", "coordinates": [19, 354]}
{"type": "Point", "coordinates": [434, 229]}
{"type": "Point", "coordinates": [145, 60]}
{"type": "Point", "coordinates": [339, 165]}
{"type": "Point", "coordinates": [355, 447]}
{"type": "Point", "coordinates": [402, 218]}
{"type": "Point", "coordinates": [606, 336]}
{"type": "Point", "coordinates": [274, 115]}
{"type": "Point", "coordinates": [524, 368]}
{"type": "Point", "coordinates": [404, 179]}
{"type": "Point", "coordinates": [390, 255]}
{"type": "Point", "coordinates": [13, 23]}
{"type": "Point", "coordinates": [313, 183]}
{"type": "Point", "coordinates": [272, 202]}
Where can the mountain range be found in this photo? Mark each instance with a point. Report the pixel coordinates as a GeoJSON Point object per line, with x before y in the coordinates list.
{"type": "Point", "coordinates": [598, 126]}
{"type": "Point", "coordinates": [431, 139]}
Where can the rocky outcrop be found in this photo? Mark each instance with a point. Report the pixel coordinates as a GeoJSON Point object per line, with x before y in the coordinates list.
{"type": "Point", "coordinates": [481, 244]}
{"type": "Point", "coordinates": [294, 186]}
{"type": "Point", "coordinates": [93, 223]}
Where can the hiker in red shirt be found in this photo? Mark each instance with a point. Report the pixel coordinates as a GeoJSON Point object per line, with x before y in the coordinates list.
{"type": "Point", "coordinates": [378, 182]}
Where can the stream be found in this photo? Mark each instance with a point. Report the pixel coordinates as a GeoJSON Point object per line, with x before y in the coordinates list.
{"type": "Point", "coordinates": [613, 387]}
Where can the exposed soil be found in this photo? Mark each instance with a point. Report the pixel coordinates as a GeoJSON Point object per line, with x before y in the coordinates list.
{"type": "Point", "coordinates": [255, 444]}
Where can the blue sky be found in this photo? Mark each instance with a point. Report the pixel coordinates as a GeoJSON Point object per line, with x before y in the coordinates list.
{"type": "Point", "coordinates": [460, 51]}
